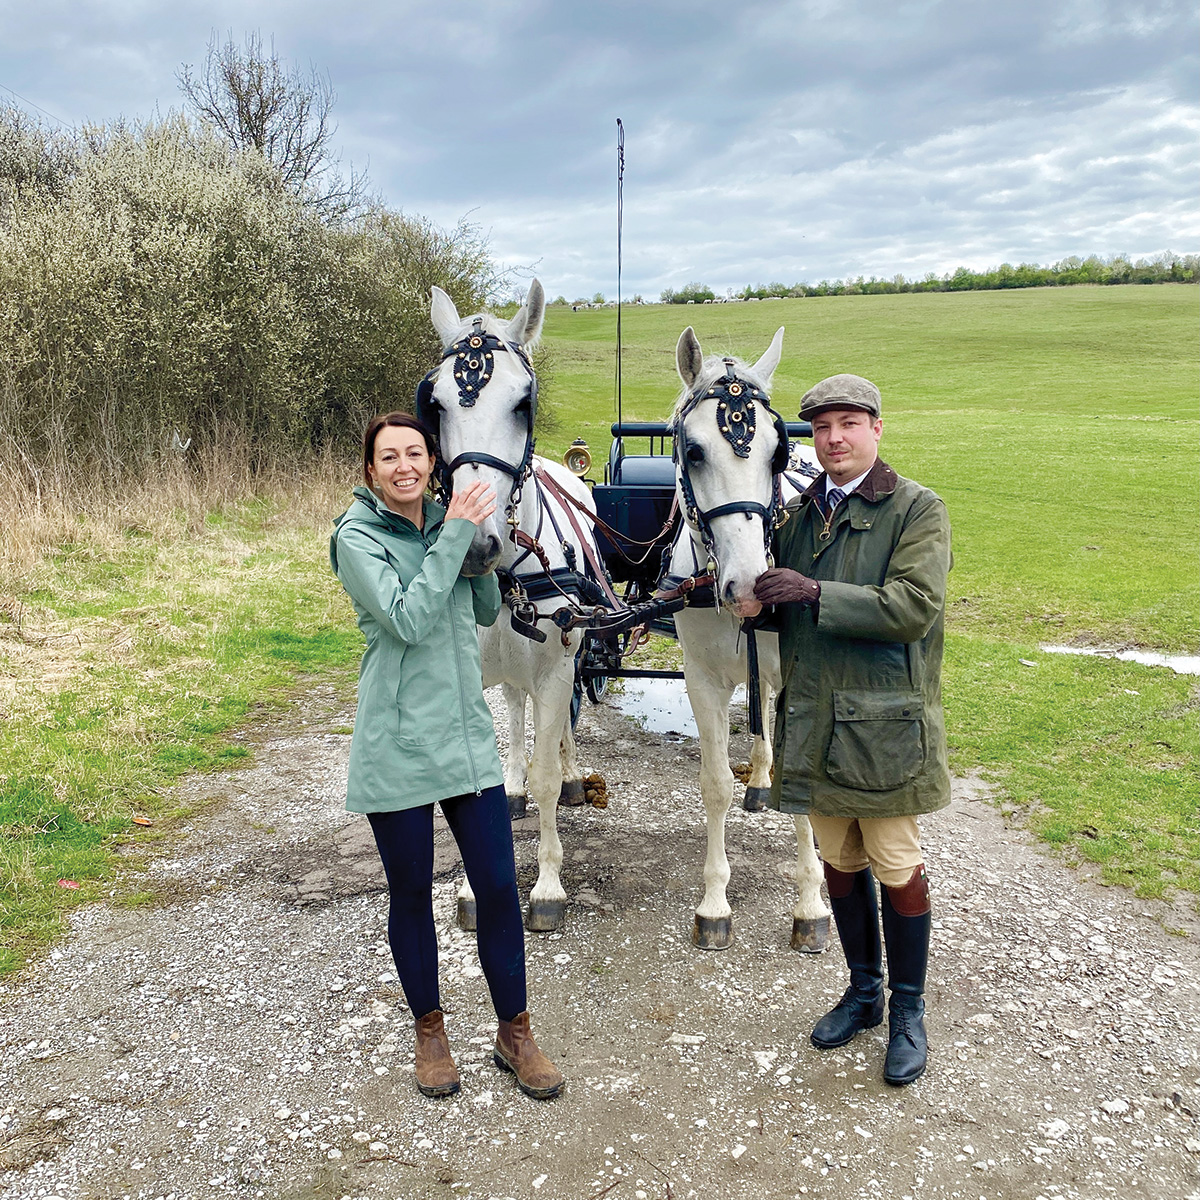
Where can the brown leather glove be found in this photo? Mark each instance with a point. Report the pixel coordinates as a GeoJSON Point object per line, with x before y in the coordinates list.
{"type": "Point", "coordinates": [783, 586]}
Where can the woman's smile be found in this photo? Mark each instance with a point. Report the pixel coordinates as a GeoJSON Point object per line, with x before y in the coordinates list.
{"type": "Point", "coordinates": [401, 470]}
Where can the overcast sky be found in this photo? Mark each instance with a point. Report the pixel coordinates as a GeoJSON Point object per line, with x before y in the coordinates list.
{"type": "Point", "coordinates": [792, 140]}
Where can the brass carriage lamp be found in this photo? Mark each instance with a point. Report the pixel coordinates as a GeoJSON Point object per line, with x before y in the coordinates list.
{"type": "Point", "coordinates": [578, 458]}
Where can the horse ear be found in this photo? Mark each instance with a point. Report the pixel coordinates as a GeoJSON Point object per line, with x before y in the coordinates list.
{"type": "Point", "coordinates": [526, 327]}
{"type": "Point", "coordinates": [689, 358]}
{"type": "Point", "coordinates": [444, 316]}
{"type": "Point", "coordinates": [765, 367]}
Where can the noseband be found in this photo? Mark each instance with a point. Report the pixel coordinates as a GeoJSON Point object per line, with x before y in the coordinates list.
{"type": "Point", "coordinates": [736, 419]}
{"type": "Point", "coordinates": [474, 361]}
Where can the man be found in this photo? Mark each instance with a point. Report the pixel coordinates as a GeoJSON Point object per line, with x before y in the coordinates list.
{"type": "Point", "coordinates": [860, 743]}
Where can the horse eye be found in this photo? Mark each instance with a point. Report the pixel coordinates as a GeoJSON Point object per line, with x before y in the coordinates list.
{"type": "Point", "coordinates": [695, 455]}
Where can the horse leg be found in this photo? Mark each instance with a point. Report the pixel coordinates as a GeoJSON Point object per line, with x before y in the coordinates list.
{"type": "Point", "coordinates": [572, 791]}
{"type": "Point", "coordinates": [758, 789]}
{"type": "Point", "coordinates": [713, 928]}
{"type": "Point", "coordinates": [551, 716]}
{"type": "Point", "coordinates": [516, 765]}
{"type": "Point", "coordinates": [810, 917]}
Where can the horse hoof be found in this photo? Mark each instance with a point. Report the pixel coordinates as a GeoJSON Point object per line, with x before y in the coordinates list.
{"type": "Point", "coordinates": [755, 799]}
{"type": "Point", "coordinates": [712, 933]}
{"type": "Point", "coordinates": [516, 807]}
{"type": "Point", "coordinates": [572, 794]}
{"type": "Point", "coordinates": [810, 937]}
{"type": "Point", "coordinates": [545, 916]}
{"type": "Point", "coordinates": [466, 914]}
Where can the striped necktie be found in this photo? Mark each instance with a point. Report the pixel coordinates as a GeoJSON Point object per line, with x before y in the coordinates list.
{"type": "Point", "coordinates": [833, 498]}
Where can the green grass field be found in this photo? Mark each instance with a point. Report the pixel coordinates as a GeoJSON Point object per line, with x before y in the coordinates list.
{"type": "Point", "coordinates": [134, 662]}
{"type": "Point", "coordinates": [1060, 425]}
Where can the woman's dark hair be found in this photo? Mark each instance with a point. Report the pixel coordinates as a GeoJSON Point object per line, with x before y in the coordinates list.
{"type": "Point", "coordinates": [403, 420]}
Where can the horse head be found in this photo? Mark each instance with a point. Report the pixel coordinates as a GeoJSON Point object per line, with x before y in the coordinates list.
{"type": "Point", "coordinates": [729, 447]}
{"type": "Point", "coordinates": [482, 402]}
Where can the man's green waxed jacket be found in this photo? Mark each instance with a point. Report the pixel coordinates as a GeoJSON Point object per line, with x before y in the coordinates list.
{"type": "Point", "coordinates": [859, 730]}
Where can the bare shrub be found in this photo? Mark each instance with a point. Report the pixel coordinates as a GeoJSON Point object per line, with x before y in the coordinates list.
{"type": "Point", "coordinates": [256, 100]}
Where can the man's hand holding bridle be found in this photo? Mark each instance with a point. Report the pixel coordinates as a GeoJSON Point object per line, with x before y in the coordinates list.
{"type": "Point", "coordinates": [780, 585]}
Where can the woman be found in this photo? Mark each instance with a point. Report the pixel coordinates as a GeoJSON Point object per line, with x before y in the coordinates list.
{"type": "Point", "coordinates": [424, 734]}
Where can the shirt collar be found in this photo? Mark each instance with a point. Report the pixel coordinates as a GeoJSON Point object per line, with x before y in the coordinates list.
{"type": "Point", "coordinates": [847, 488]}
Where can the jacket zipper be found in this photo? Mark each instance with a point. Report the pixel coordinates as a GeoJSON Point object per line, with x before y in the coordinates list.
{"type": "Point", "coordinates": [462, 704]}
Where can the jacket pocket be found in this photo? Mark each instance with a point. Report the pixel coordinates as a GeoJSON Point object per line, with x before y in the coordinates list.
{"type": "Point", "coordinates": [427, 712]}
{"type": "Point", "coordinates": [878, 740]}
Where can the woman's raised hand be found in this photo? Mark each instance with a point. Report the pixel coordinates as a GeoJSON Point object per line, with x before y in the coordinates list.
{"type": "Point", "coordinates": [475, 503]}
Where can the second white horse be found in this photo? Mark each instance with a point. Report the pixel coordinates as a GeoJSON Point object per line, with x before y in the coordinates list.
{"type": "Point", "coordinates": [731, 451]}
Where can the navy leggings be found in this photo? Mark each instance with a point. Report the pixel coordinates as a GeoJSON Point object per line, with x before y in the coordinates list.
{"type": "Point", "coordinates": [481, 828]}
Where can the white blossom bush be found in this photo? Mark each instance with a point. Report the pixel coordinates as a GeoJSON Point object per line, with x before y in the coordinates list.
{"type": "Point", "coordinates": [155, 282]}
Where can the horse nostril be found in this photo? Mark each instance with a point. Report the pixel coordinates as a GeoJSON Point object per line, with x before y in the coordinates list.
{"type": "Point", "coordinates": [493, 545]}
{"type": "Point", "coordinates": [727, 593]}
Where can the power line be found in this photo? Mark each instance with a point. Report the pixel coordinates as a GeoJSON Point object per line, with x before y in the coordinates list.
{"type": "Point", "coordinates": [31, 104]}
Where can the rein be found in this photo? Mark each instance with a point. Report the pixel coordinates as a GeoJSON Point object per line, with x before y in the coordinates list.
{"type": "Point", "coordinates": [616, 535]}
{"type": "Point", "coordinates": [606, 619]}
{"type": "Point", "coordinates": [520, 591]}
{"type": "Point", "coordinates": [555, 489]}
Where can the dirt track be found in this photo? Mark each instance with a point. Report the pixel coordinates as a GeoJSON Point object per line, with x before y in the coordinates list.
{"type": "Point", "coordinates": [246, 1037]}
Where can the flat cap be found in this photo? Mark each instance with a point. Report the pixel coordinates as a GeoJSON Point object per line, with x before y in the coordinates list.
{"type": "Point", "coordinates": [841, 391]}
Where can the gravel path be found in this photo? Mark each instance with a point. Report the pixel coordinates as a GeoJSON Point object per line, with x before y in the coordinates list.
{"type": "Point", "coordinates": [245, 1035]}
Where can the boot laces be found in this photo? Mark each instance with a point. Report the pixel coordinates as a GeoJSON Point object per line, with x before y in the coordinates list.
{"type": "Point", "coordinates": [900, 1018]}
{"type": "Point", "coordinates": [853, 998]}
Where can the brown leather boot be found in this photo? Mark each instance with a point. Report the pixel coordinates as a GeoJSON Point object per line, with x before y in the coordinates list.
{"type": "Point", "coordinates": [516, 1051]}
{"type": "Point", "coordinates": [436, 1073]}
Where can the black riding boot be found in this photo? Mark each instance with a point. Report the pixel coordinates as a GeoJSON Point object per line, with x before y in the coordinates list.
{"type": "Point", "coordinates": [856, 912]}
{"type": "Point", "coordinates": [906, 934]}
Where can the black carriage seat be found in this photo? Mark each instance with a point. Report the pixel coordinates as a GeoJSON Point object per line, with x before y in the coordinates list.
{"type": "Point", "coordinates": [637, 496]}
{"type": "Point", "coordinates": [644, 470]}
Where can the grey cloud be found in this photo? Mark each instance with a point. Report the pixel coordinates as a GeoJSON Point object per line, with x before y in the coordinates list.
{"type": "Point", "coordinates": [766, 140]}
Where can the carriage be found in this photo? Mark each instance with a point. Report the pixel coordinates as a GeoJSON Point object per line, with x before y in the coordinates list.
{"type": "Point", "coordinates": [637, 519]}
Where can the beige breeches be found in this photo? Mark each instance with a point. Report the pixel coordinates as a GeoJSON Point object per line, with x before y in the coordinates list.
{"type": "Point", "coordinates": [890, 846]}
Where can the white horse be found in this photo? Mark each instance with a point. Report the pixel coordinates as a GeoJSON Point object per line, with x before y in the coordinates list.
{"type": "Point", "coordinates": [730, 449]}
{"type": "Point", "coordinates": [483, 399]}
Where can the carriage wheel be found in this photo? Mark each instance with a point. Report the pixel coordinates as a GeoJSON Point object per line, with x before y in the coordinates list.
{"type": "Point", "coordinates": [597, 688]}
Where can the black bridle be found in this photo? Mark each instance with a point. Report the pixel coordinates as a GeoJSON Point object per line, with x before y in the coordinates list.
{"type": "Point", "coordinates": [737, 400]}
{"type": "Point", "coordinates": [474, 361]}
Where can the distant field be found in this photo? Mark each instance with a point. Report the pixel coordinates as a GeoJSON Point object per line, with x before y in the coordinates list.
{"type": "Point", "coordinates": [1059, 424]}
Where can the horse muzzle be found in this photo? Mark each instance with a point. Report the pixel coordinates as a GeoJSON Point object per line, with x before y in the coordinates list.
{"type": "Point", "coordinates": [483, 554]}
{"type": "Point", "coordinates": [741, 602]}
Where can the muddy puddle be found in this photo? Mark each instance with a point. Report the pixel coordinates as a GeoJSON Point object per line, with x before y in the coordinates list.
{"type": "Point", "coordinates": [661, 706]}
{"type": "Point", "coordinates": [1181, 664]}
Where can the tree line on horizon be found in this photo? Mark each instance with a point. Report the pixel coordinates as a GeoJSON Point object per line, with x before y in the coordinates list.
{"type": "Point", "coordinates": [1116, 269]}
